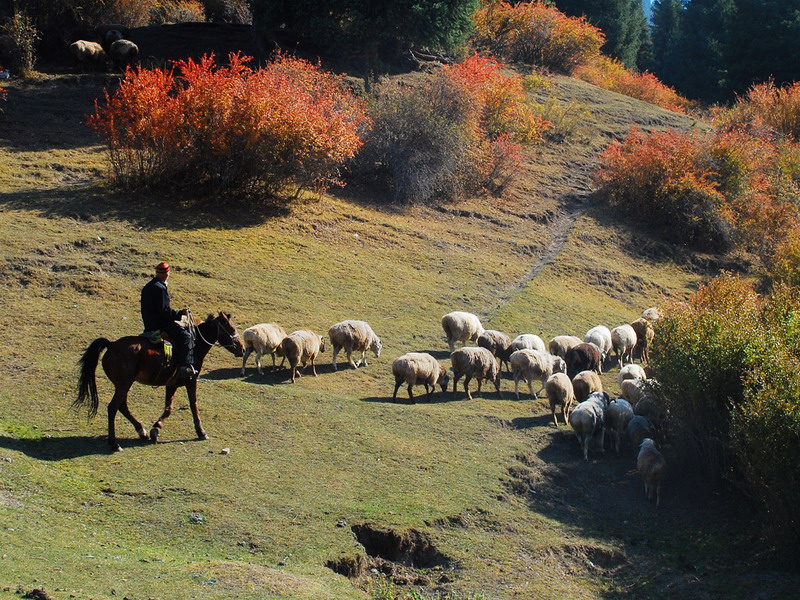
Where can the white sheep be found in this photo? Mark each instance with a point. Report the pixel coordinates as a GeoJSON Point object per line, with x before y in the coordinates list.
{"type": "Point", "coordinates": [354, 336]}
{"type": "Point", "coordinates": [618, 414]}
{"type": "Point", "coordinates": [623, 339]}
{"type": "Point", "coordinates": [632, 390]}
{"type": "Point", "coordinates": [651, 314]}
{"type": "Point", "coordinates": [264, 338]}
{"type": "Point", "coordinates": [631, 371]}
{"type": "Point", "coordinates": [588, 422]}
{"type": "Point", "coordinates": [586, 383]}
{"type": "Point", "coordinates": [527, 365]}
{"type": "Point", "coordinates": [652, 467]}
{"type": "Point", "coordinates": [559, 393]}
{"type": "Point", "coordinates": [600, 336]}
{"type": "Point", "coordinates": [561, 344]}
{"type": "Point", "coordinates": [474, 362]}
{"type": "Point", "coordinates": [461, 327]}
{"type": "Point", "coordinates": [302, 346]}
{"type": "Point", "coordinates": [123, 53]}
{"type": "Point", "coordinates": [418, 368]}
{"type": "Point", "coordinates": [528, 341]}
{"type": "Point", "coordinates": [89, 53]}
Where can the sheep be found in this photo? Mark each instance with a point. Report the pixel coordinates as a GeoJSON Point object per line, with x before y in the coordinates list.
{"type": "Point", "coordinates": [498, 343]}
{"type": "Point", "coordinates": [644, 336]}
{"type": "Point", "coordinates": [561, 344]}
{"type": "Point", "coordinates": [632, 390]}
{"type": "Point", "coordinates": [631, 371]}
{"type": "Point", "coordinates": [528, 341]}
{"type": "Point", "coordinates": [650, 408]}
{"type": "Point", "coordinates": [652, 467]}
{"type": "Point", "coordinates": [354, 335]}
{"type": "Point", "coordinates": [302, 346]}
{"type": "Point", "coordinates": [528, 365]}
{"type": "Point", "coordinates": [123, 53]}
{"type": "Point", "coordinates": [583, 357]}
{"type": "Point", "coordinates": [559, 392]}
{"type": "Point", "coordinates": [600, 336]}
{"type": "Point", "coordinates": [618, 413]}
{"type": "Point", "coordinates": [101, 32]}
{"type": "Point", "coordinates": [588, 422]}
{"type": "Point", "coordinates": [637, 429]}
{"type": "Point", "coordinates": [585, 383]}
{"type": "Point", "coordinates": [111, 36]}
{"type": "Point", "coordinates": [474, 362]}
{"type": "Point", "coordinates": [651, 314]}
{"type": "Point", "coordinates": [264, 338]}
{"type": "Point", "coordinates": [418, 368]}
{"type": "Point", "coordinates": [89, 54]}
{"type": "Point", "coordinates": [461, 327]}
{"type": "Point", "coordinates": [623, 339]}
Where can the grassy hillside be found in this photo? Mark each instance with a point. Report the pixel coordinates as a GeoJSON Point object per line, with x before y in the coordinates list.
{"type": "Point", "coordinates": [503, 497]}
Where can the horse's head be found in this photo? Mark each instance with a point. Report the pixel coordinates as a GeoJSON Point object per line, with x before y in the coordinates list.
{"type": "Point", "coordinates": [227, 336]}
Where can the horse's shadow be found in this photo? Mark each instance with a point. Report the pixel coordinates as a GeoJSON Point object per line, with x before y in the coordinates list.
{"type": "Point", "coordinates": [53, 449]}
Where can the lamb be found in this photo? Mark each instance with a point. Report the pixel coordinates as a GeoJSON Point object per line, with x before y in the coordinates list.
{"type": "Point", "coordinates": [354, 335]}
{"type": "Point", "coordinates": [561, 344]}
{"type": "Point", "coordinates": [123, 53]}
{"type": "Point", "coordinates": [461, 327]}
{"type": "Point", "coordinates": [302, 346]}
{"type": "Point", "coordinates": [474, 362]}
{"type": "Point", "coordinates": [264, 338]}
{"type": "Point", "coordinates": [418, 368]}
{"type": "Point", "coordinates": [583, 357]}
{"type": "Point", "coordinates": [586, 383]}
{"type": "Point", "coordinates": [644, 337]}
{"type": "Point", "coordinates": [652, 467]}
{"type": "Point", "coordinates": [528, 365]}
{"type": "Point", "coordinates": [528, 341]}
{"type": "Point", "coordinates": [89, 54]}
{"type": "Point", "coordinates": [631, 371]}
{"type": "Point", "coordinates": [588, 422]}
{"type": "Point", "coordinates": [498, 343]}
{"type": "Point", "coordinates": [623, 339]}
{"type": "Point", "coordinates": [559, 392]}
{"type": "Point", "coordinates": [618, 413]}
{"type": "Point", "coordinates": [637, 429]}
{"type": "Point", "coordinates": [600, 336]}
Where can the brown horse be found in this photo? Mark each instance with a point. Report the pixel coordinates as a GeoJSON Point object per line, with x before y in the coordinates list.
{"type": "Point", "coordinates": [135, 358]}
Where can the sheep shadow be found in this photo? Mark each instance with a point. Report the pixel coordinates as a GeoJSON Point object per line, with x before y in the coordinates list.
{"type": "Point", "coordinates": [437, 397]}
{"type": "Point", "coordinates": [224, 374]}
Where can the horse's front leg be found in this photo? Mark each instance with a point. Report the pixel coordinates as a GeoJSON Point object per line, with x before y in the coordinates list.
{"type": "Point", "coordinates": [170, 398]}
{"type": "Point", "coordinates": [191, 390]}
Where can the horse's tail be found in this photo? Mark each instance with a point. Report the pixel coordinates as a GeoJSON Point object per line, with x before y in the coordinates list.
{"type": "Point", "coordinates": [87, 384]}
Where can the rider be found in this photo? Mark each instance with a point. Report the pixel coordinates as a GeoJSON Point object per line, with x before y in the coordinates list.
{"type": "Point", "coordinates": [158, 315]}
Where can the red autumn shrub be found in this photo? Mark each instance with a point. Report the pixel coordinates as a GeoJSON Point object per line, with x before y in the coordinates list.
{"type": "Point", "coordinates": [536, 33]}
{"type": "Point", "coordinates": [231, 128]}
{"type": "Point", "coordinates": [765, 110]}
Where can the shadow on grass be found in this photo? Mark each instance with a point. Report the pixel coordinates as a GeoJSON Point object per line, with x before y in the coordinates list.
{"type": "Point", "coordinates": [66, 448]}
{"type": "Point", "coordinates": [437, 397]}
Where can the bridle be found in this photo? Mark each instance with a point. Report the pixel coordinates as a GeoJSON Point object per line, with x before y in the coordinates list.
{"type": "Point", "coordinates": [195, 330]}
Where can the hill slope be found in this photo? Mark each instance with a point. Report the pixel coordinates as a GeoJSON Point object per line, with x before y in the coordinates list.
{"type": "Point", "coordinates": [329, 476]}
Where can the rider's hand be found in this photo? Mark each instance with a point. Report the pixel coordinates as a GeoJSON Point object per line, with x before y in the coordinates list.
{"type": "Point", "coordinates": [183, 312]}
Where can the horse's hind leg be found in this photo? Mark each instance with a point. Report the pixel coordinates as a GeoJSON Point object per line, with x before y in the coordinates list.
{"type": "Point", "coordinates": [156, 429]}
{"type": "Point", "coordinates": [119, 402]}
{"type": "Point", "coordinates": [123, 408]}
{"type": "Point", "coordinates": [191, 390]}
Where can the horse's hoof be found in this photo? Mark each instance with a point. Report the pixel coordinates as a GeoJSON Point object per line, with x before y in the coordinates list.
{"type": "Point", "coordinates": [203, 436]}
{"type": "Point", "coordinates": [154, 434]}
{"type": "Point", "coordinates": [116, 448]}
{"type": "Point", "coordinates": [142, 434]}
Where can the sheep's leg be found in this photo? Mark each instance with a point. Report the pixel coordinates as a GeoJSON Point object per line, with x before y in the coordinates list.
{"type": "Point", "coordinates": [314, 365]}
{"type": "Point", "coordinates": [335, 352]}
{"type": "Point", "coordinates": [658, 494]}
{"type": "Point", "coordinates": [516, 387]}
{"type": "Point", "coordinates": [480, 384]}
{"type": "Point", "coordinates": [363, 362]}
{"type": "Point", "coordinates": [466, 386]}
{"type": "Point", "coordinates": [553, 411]}
{"type": "Point", "coordinates": [544, 381]}
{"type": "Point", "coordinates": [456, 377]}
{"type": "Point", "coordinates": [350, 360]}
{"type": "Point", "coordinates": [530, 387]}
{"type": "Point", "coordinates": [397, 383]}
{"type": "Point", "coordinates": [247, 352]}
{"type": "Point", "coordinates": [259, 354]}
{"type": "Point", "coordinates": [585, 444]}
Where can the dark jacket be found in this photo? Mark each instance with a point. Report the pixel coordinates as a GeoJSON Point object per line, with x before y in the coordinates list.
{"type": "Point", "coordinates": [156, 311]}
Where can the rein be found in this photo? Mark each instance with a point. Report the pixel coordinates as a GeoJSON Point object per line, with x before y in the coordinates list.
{"type": "Point", "coordinates": [195, 330]}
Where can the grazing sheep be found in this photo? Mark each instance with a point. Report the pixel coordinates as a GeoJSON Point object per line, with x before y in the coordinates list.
{"type": "Point", "coordinates": [583, 357]}
{"type": "Point", "coordinates": [632, 390]}
{"type": "Point", "coordinates": [561, 344]}
{"type": "Point", "coordinates": [474, 362]}
{"type": "Point", "coordinates": [461, 327]}
{"type": "Point", "coordinates": [528, 365]}
{"type": "Point", "coordinates": [588, 422]}
{"type": "Point", "coordinates": [498, 343]}
{"type": "Point", "coordinates": [651, 314]}
{"type": "Point", "coordinates": [652, 467]}
{"type": "Point", "coordinates": [302, 346]}
{"type": "Point", "coordinates": [418, 368]}
{"type": "Point", "coordinates": [528, 341]}
{"type": "Point", "coordinates": [644, 337]}
{"type": "Point", "coordinates": [586, 383]}
{"type": "Point", "coordinates": [637, 429]}
{"type": "Point", "coordinates": [559, 392]}
{"type": "Point", "coordinates": [618, 413]}
{"type": "Point", "coordinates": [123, 53]}
{"type": "Point", "coordinates": [631, 371]}
{"type": "Point", "coordinates": [600, 336]}
{"type": "Point", "coordinates": [623, 339]}
{"type": "Point", "coordinates": [354, 335]}
{"type": "Point", "coordinates": [262, 339]}
{"type": "Point", "coordinates": [89, 54]}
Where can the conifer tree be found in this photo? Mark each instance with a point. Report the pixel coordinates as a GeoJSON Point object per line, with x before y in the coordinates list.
{"type": "Point", "coordinates": [665, 32]}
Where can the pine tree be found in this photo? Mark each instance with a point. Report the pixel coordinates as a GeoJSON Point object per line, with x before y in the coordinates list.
{"type": "Point", "coordinates": [665, 33]}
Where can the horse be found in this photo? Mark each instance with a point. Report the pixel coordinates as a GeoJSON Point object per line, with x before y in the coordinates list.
{"type": "Point", "coordinates": [136, 359]}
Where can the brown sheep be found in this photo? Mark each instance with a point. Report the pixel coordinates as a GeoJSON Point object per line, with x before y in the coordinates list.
{"type": "Point", "coordinates": [652, 467]}
{"type": "Point", "coordinates": [498, 343]}
{"type": "Point", "coordinates": [124, 53]}
{"type": "Point", "coordinates": [644, 337]}
{"type": "Point", "coordinates": [583, 357]}
{"type": "Point", "coordinates": [586, 383]}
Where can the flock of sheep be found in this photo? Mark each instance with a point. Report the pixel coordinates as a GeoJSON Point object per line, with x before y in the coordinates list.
{"type": "Point", "coordinates": [568, 368]}
{"type": "Point", "coordinates": [108, 47]}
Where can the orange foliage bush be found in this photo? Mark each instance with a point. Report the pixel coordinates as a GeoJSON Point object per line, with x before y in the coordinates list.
{"type": "Point", "coordinates": [536, 33]}
{"type": "Point", "coordinates": [765, 110]}
{"type": "Point", "coordinates": [610, 74]}
{"type": "Point", "coordinates": [231, 128]}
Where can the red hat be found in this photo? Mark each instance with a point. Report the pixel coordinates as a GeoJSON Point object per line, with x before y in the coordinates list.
{"type": "Point", "coordinates": [163, 267]}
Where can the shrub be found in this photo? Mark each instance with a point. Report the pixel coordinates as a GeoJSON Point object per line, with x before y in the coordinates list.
{"type": "Point", "coordinates": [765, 109]}
{"type": "Point", "coordinates": [180, 11]}
{"type": "Point", "coordinates": [24, 36]}
{"type": "Point", "coordinates": [536, 33]}
{"type": "Point", "coordinates": [230, 128]}
{"type": "Point", "coordinates": [132, 13]}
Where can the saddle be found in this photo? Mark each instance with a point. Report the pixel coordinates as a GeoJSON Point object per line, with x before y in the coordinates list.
{"type": "Point", "coordinates": [157, 337]}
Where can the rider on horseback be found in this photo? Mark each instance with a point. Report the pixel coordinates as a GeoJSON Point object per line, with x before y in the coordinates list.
{"type": "Point", "coordinates": [159, 316]}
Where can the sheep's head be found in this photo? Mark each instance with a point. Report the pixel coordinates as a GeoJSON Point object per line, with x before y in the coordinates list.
{"type": "Point", "coordinates": [559, 365]}
{"type": "Point", "coordinates": [376, 346]}
{"type": "Point", "coordinates": [444, 378]}
{"type": "Point", "coordinates": [321, 344]}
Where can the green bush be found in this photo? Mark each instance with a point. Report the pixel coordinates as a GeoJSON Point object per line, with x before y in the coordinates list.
{"type": "Point", "coordinates": [24, 36]}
